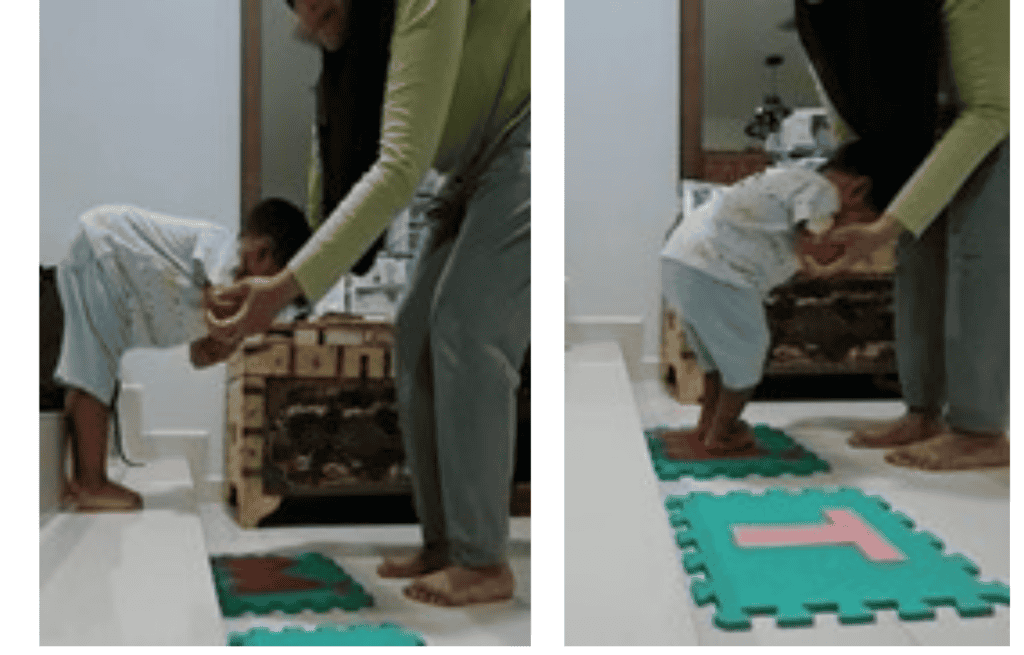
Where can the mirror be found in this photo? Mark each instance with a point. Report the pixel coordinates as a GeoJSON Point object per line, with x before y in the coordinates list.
{"type": "Point", "coordinates": [734, 54]}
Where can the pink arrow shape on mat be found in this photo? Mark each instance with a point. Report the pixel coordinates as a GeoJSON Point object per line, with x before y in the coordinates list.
{"type": "Point", "coordinates": [842, 527]}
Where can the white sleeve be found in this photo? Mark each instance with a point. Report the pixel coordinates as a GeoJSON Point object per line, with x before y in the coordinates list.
{"type": "Point", "coordinates": [814, 205]}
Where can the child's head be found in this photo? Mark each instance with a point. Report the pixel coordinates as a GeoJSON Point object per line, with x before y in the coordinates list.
{"type": "Point", "coordinates": [852, 170]}
{"type": "Point", "coordinates": [272, 233]}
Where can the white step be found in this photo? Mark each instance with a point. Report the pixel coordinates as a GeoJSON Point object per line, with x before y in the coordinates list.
{"type": "Point", "coordinates": [131, 579]}
{"type": "Point", "coordinates": [624, 584]}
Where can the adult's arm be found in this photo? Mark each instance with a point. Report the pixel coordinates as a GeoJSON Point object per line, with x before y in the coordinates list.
{"type": "Point", "coordinates": [426, 50]}
{"type": "Point", "coordinates": [979, 43]}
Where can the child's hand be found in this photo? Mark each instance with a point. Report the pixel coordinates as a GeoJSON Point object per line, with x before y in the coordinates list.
{"type": "Point", "coordinates": [816, 252]}
{"type": "Point", "coordinates": [208, 351]}
{"type": "Point", "coordinates": [861, 241]}
{"type": "Point", "coordinates": [223, 301]}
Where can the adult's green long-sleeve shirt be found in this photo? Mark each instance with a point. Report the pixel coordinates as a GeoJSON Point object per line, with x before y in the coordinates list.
{"type": "Point", "coordinates": [456, 77]}
{"type": "Point", "coordinates": [979, 45]}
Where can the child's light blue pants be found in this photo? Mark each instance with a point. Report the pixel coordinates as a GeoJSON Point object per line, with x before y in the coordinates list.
{"type": "Point", "coordinates": [726, 326]}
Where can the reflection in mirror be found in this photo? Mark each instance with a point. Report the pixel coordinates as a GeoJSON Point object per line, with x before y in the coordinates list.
{"type": "Point", "coordinates": [749, 97]}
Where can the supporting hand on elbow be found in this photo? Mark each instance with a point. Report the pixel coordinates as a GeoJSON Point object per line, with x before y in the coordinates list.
{"type": "Point", "coordinates": [258, 300]}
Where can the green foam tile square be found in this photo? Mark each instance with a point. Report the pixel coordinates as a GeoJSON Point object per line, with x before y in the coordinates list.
{"type": "Point", "coordinates": [385, 634]}
{"type": "Point", "coordinates": [796, 579]}
{"type": "Point", "coordinates": [334, 589]}
{"type": "Point", "coordinates": [780, 454]}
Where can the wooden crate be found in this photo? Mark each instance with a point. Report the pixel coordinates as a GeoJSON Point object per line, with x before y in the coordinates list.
{"type": "Point", "coordinates": [682, 378]}
{"type": "Point", "coordinates": [337, 370]}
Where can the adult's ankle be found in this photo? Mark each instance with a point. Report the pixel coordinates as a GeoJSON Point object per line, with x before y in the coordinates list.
{"type": "Point", "coordinates": [490, 569]}
{"type": "Point", "coordinates": [924, 412]}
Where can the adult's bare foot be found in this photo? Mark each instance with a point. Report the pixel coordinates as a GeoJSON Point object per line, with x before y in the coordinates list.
{"type": "Point", "coordinates": [953, 451]}
{"type": "Point", "coordinates": [103, 497]}
{"type": "Point", "coordinates": [911, 428]}
{"type": "Point", "coordinates": [409, 566]}
{"type": "Point", "coordinates": [457, 586]}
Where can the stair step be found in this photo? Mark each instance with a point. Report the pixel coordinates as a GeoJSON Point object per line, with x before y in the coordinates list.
{"type": "Point", "coordinates": [131, 579]}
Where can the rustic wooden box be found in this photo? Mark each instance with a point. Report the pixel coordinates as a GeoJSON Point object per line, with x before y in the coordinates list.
{"type": "Point", "coordinates": [310, 412]}
{"type": "Point", "coordinates": [872, 354]}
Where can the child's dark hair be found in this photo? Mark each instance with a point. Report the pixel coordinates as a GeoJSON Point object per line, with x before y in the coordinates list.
{"type": "Point", "coordinates": [281, 221]}
{"type": "Point", "coordinates": [886, 163]}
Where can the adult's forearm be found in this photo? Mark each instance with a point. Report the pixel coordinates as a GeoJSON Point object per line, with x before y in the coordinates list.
{"type": "Point", "coordinates": [426, 51]}
{"type": "Point", "coordinates": [979, 43]}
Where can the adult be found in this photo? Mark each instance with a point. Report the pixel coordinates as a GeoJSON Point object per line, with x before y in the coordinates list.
{"type": "Point", "coordinates": [929, 83]}
{"type": "Point", "coordinates": [457, 98]}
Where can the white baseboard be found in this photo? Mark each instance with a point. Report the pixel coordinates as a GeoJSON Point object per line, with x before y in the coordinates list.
{"type": "Point", "coordinates": [49, 466]}
{"type": "Point", "coordinates": [627, 331]}
{"type": "Point", "coordinates": [650, 367]}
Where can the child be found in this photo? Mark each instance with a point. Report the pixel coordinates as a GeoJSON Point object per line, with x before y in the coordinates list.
{"type": "Point", "coordinates": [133, 278]}
{"type": "Point", "coordinates": [722, 260]}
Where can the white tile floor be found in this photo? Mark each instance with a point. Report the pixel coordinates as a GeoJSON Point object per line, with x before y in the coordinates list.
{"type": "Point", "coordinates": [968, 511]}
{"type": "Point", "coordinates": [144, 578]}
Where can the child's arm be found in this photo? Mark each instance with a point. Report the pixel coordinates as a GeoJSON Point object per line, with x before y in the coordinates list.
{"type": "Point", "coordinates": [209, 351]}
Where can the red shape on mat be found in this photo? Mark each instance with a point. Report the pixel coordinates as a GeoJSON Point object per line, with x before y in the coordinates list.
{"type": "Point", "coordinates": [263, 575]}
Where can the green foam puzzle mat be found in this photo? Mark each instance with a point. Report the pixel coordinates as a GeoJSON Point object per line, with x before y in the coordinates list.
{"type": "Point", "coordinates": [779, 454]}
{"type": "Point", "coordinates": [791, 555]}
{"type": "Point", "coordinates": [264, 583]}
{"type": "Point", "coordinates": [385, 634]}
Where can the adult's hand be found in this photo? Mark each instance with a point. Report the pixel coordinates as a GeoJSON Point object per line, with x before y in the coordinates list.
{"type": "Point", "coordinates": [261, 299]}
{"type": "Point", "coordinates": [861, 241]}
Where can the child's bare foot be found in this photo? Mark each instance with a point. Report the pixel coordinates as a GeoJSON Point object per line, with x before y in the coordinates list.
{"type": "Point", "coordinates": [104, 497]}
{"type": "Point", "coordinates": [914, 427]}
{"type": "Point", "coordinates": [741, 437]}
{"type": "Point", "coordinates": [409, 566]}
{"type": "Point", "coordinates": [952, 451]}
{"type": "Point", "coordinates": [677, 439]}
{"type": "Point", "coordinates": [455, 586]}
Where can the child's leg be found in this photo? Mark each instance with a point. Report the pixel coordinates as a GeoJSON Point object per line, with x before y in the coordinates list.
{"type": "Point", "coordinates": [727, 432]}
{"type": "Point", "coordinates": [677, 439]}
{"type": "Point", "coordinates": [89, 420]}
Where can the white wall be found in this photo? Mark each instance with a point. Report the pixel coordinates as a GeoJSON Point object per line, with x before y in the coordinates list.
{"type": "Point", "coordinates": [621, 154]}
{"type": "Point", "coordinates": [139, 103]}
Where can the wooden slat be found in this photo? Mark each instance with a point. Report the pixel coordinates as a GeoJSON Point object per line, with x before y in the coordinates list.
{"type": "Point", "coordinates": [316, 361]}
{"type": "Point", "coordinates": [252, 129]}
{"type": "Point", "coordinates": [692, 89]}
